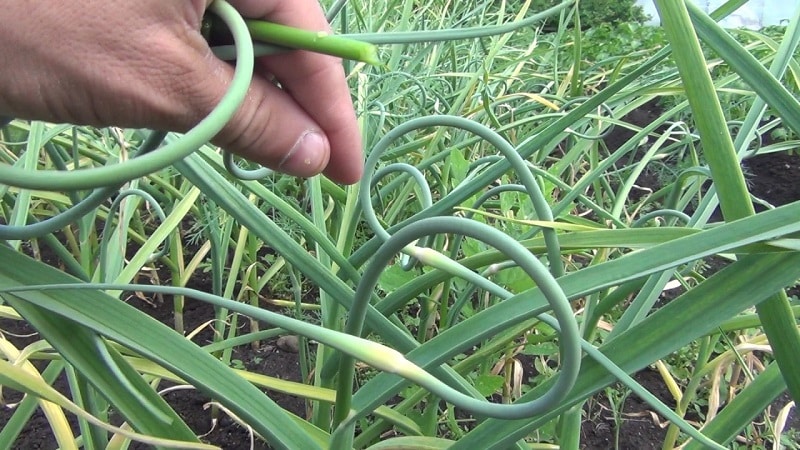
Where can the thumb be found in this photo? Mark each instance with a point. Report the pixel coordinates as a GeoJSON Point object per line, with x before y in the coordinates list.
{"type": "Point", "coordinates": [269, 128]}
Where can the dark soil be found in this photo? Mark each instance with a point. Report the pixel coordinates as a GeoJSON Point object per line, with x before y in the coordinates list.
{"type": "Point", "coordinates": [773, 178]}
{"type": "Point", "coordinates": [634, 424]}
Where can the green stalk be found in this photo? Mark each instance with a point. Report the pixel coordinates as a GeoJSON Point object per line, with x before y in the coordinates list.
{"type": "Point", "coordinates": [22, 202]}
{"type": "Point", "coordinates": [84, 395]}
{"type": "Point", "coordinates": [775, 312]}
{"type": "Point", "coordinates": [316, 41]}
{"type": "Point", "coordinates": [570, 421]}
{"type": "Point", "coordinates": [217, 230]}
{"type": "Point", "coordinates": [575, 84]}
{"type": "Point", "coordinates": [176, 249]}
{"type": "Point", "coordinates": [569, 426]}
{"type": "Point", "coordinates": [746, 321]}
{"type": "Point", "coordinates": [253, 245]}
{"type": "Point", "coordinates": [405, 22]}
{"type": "Point", "coordinates": [233, 268]}
{"type": "Point", "coordinates": [330, 309]}
{"type": "Point", "coordinates": [706, 110]}
{"type": "Point", "coordinates": [690, 391]}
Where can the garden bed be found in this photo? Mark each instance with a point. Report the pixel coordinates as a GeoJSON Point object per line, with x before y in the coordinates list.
{"type": "Point", "coordinates": [770, 177]}
{"type": "Point", "coordinates": [539, 102]}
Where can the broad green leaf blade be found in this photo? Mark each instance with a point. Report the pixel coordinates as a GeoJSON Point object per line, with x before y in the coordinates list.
{"type": "Point", "coordinates": [706, 109]}
{"type": "Point", "coordinates": [669, 329]}
{"type": "Point", "coordinates": [144, 335]}
{"type": "Point", "coordinates": [16, 378]}
{"type": "Point", "coordinates": [528, 304]}
{"type": "Point", "coordinates": [754, 73]}
{"type": "Point", "coordinates": [287, 387]}
{"type": "Point", "coordinates": [775, 313]}
{"type": "Point", "coordinates": [412, 443]}
{"type": "Point", "coordinates": [216, 187]}
{"type": "Point", "coordinates": [122, 386]}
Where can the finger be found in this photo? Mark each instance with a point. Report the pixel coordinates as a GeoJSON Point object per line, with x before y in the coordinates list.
{"type": "Point", "coordinates": [269, 127]}
{"type": "Point", "coordinates": [315, 82]}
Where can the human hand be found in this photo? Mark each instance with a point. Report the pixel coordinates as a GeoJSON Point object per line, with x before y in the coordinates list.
{"type": "Point", "coordinates": [144, 64]}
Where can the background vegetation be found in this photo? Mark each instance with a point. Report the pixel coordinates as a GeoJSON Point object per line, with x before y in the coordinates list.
{"type": "Point", "coordinates": [546, 216]}
{"type": "Point", "coordinates": [594, 13]}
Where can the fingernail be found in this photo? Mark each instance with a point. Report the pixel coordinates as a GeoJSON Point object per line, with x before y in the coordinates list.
{"type": "Point", "coordinates": [306, 157]}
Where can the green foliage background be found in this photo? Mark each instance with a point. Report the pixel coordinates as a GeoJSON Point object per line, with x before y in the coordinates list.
{"type": "Point", "coordinates": [598, 12]}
